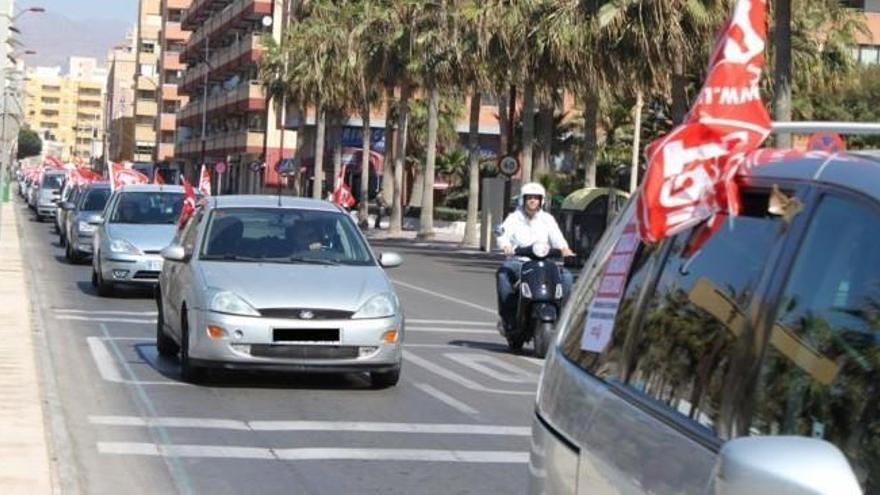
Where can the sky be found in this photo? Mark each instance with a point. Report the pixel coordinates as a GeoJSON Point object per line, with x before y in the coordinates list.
{"type": "Point", "coordinates": [86, 9]}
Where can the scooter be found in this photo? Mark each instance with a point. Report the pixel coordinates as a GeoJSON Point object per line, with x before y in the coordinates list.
{"type": "Point", "coordinates": [541, 295]}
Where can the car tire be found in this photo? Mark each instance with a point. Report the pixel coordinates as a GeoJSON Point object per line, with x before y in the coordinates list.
{"type": "Point", "coordinates": [188, 372]}
{"type": "Point", "coordinates": [73, 257]}
{"type": "Point", "coordinates": [164, 344]}
{"type": "Point", "coordinates": [105, 289]}
{"type": "Point", "coordinates": [385, 379]}
{"type": "Point", "coordinates": [543, 337]}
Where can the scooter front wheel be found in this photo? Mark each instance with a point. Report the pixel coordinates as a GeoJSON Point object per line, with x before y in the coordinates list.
{"type": "Point", "coordinates": [543, 337]}
{"type": "Point", "coordinates": [515, 342]}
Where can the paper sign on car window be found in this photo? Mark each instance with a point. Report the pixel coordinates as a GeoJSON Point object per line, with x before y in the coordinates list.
{"type": "Point", "coordinates": [603, 310]}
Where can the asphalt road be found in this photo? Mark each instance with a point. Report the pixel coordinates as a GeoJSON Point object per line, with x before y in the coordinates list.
{"type": "Point", "coordinates": [458, 421]}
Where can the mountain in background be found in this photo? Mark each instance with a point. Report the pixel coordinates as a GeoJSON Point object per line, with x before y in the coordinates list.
{"type": "Point", "coordinates": [56, 38]}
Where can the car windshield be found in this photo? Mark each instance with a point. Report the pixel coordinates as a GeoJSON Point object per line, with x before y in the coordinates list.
{"type": "Point", "coordinates": [147, 208]}
{"type": "Point", "coordinates": [52, 181]}
{"type": "Point", "coordinates": [284, 235]}
{"type": "Point", "coordinates": [95, 199]}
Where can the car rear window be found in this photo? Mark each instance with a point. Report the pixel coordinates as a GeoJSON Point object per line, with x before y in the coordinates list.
{"type": "Point", "coordinates": [95, 199]}
{"type": "Point", "coordinates": [147, 208]}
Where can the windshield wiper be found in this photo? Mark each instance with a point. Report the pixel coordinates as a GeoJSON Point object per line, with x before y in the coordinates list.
{"type": "Point", "coordinates": [233, 257]}
{"type": "Point", "coordinates": [311, 261]}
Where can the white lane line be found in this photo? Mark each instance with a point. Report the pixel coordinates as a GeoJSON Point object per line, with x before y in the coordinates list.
{"type": "Point", "coordinates": [444, 296]}
{"type": "Point", "coordinates": [449, 330]}
{"type": "Point", "coordinates": [493, 367]}
{"type": "Point", "coordinates": [447, 399]}
{"type": "Point", "coordinates": [104, 319]}
{"type": "Point", "coordinates": [314, 454]}
{"type": "Point", "coordinates": [455, 377]}
{"type": "Point", "coordinates": [102, 312]}
{"type": "Point", "coordinates": [108, 369]}
{"type": "Point", "coordinates": [352, 426]}
{"type": "Point", "coordinates": [207, 423]}
{"type": "Point", "coordinates": [419, 321]}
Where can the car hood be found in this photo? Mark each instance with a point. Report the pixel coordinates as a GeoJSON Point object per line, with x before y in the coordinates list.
{"type": "Point", "coordinates": [146, 237]}
{"type": "Point", "coordinates": [276, 285]}
{"type": "Point", "coordinates": [88, 216]}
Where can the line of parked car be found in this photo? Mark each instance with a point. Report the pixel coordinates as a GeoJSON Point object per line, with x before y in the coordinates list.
{"type": "Point", "coordinates": [246, 282]}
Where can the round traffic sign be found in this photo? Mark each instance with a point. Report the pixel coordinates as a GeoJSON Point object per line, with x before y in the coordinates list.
{"type": "Point", "coordinates": [508, 165]}
{"type": "Point", "coordinates": [826, 141]}
{"type": "Point", "coordinates": [220, 167]}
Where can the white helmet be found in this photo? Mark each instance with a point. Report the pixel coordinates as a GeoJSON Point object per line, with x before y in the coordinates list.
{"type": "Point", "coordinates": [531, 189]}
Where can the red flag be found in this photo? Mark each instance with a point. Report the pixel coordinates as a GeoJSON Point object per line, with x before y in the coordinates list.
{"type": "Point", "coordinates": [691, 170]}
{"type": "Point", "coordinates": [157, 178]}
{"type": "Point", "coordinates": [189, 203]}
{"type": "Point", "coordinates": [205, 181]}
{"type": "Point", "coordinates": [342, 196]}
{"type": "Point", "coordinates": [121, 176]}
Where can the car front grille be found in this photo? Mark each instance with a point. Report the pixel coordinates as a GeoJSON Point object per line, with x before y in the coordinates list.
{"type": "Point", "coordinates": [303, 313]}
{"type": "Point", "coordinates": [304, 351]}
{"type": "Point", "coordinates": [146, 275]}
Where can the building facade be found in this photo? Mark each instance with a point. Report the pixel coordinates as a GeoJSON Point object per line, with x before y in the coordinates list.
{"type": "Point", "coordinates": [119, 102]}
{"type": "Point", "coordinates": [146, 79]}
{"type": "Point", "coordinates": [172, 41]}
{"type": "Point", "coordinates": [227, 118]}
{"type": "Point", "coordinates": [67, 109]}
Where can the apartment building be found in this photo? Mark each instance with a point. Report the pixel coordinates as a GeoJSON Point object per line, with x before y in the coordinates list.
{"type": "Point", "coordinates": [119, 102]}
{"type": "Point", "coordinates": [67, 109]}
{"type": "Point", "coordinates": [227, 118]}
{"type": "Point", "coordinates": [146, 79]}
{"type": "Point", "coordinates": [172, 40]}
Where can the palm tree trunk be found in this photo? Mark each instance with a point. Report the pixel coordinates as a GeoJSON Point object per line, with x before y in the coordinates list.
{"type": "Point", "coordinates": [637, 131]}
{"type": "Point", "coordinates": [300, 152]}
{"type": "Point", "coordinates": [337, 150]}
{"type": "Point", "coordinates": [528, 130]}
{"type": "Point", "coordinates": [503, 145]}
{"type": "Point", "coordinates": [782, 71]}
{"type": "Point", "coordinates": [679, 88]}
{"type": "Point", "coordinates": [545, 139]}
{"type": "Point", "coordinates": [318, 172]}
{"type": "Point", "coordinates": [426, 230]}
{"type": "Point", "coordinates": [470, 228]}
{"type": "Point", "coordinates": [388, 159]}
{"type": "Point", "coordinates": [396, 221]}
{"type": "Point", "coordinates": [591, 138]}
{"type": "Point", "coordinates": [363, 211]}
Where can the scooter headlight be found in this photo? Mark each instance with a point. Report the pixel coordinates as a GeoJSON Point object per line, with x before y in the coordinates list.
{"type": "Point", "coordinates": [558, 291]}
{"type": "Point", "coordinates": [526, 291]}
{"type": "Point", "coordinates": [540, 249]}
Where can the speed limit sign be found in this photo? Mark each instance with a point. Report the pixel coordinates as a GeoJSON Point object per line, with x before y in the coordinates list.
{"type": "Point", "coordinates": [508, 166]}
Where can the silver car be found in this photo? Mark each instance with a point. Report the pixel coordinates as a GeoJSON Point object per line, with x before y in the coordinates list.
{"type": "Point", "coordinates": [47, 193]}
{"type": "Point", "coordinates": [741, 360]}
{"type": "Point", "coordinates": [80, 217]}
{"type": "Point", "coordinates": [69, 193]}
{"type": "Point", "coordinates": [138, 222]}
{"type": "Point", "coordinates": [262, 282]}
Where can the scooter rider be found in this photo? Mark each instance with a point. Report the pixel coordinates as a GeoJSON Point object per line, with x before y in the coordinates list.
{"type": "Point", "coordinates": [525, 226]}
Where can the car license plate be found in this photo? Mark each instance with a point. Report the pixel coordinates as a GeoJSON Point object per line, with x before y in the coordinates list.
{"type": "Point", "coordinates": [155, 265]}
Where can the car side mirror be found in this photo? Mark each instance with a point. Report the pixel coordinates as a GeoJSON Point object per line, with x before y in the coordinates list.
{"type": "Point", "coordinates": [98, 220]}
{"type": "Point", "coordinates": [390, 260]}
{"type": "Point", "coordinates": [67, 206]}
{"type": "Point", "coordinates": [175, 252]}
{"type": "Point", "coordinates": [783, 464]}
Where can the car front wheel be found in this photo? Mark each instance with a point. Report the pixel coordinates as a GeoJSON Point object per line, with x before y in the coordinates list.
{"type": "Point", "coordinates": [164, 344]}
{"type": "Point", "coordinates": [188, 371]}
{"type": "Point", "coordinates": [385, 379]}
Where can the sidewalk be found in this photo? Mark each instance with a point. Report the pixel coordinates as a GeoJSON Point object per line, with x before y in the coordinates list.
{"type": "Point", "coordinates": [24, 456]}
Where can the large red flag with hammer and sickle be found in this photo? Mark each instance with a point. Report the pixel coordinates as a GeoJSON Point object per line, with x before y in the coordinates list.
{"type": "Point", "coordinates": [691, 170]}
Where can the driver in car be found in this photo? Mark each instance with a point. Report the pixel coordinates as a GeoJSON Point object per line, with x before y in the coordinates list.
{"type": "Point", "coordinates": [523, 227]}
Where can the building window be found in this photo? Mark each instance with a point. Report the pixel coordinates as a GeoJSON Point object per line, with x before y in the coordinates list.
{"type": "Point", "coordinates": [148, 70]}
{"type": "Point", "coordinates": [867, 54]}
{"type": "Point", "coordinates": [146, 95]}
{"type": "Point", "coordinates": [175, 15]}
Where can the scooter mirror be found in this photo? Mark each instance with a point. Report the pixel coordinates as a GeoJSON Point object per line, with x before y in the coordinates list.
{"type": "Point", "coordinates": [499, 230]}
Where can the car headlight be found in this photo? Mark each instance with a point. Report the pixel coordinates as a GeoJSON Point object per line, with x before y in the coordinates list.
{"type": "Point", "coordinates": [230, 303]}
{"type": "Point", "coordinates": [123, 247]}
{"type": "Point", "coordinates": [85, 227]}
{"type": "Point", "coordinates": [378, 306]}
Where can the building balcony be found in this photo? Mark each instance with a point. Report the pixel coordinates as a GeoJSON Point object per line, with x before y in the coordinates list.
{"type": "Point", "coordinates": [165, 151]}
{"type": "Point", "coordinates": [148, 108]}
{"type": "Point", "coordinates": [148, 83]}
{"type": "Point", "coordinates": [144, 133]}
{"type": "Point", "coordinates": [169, 92]}
{"type": "Point", "coordinates": [248, 97]}
{"type": "Point", "coordinates": [239, 13]}
{"type": "Point", "coordinates": [167, 122]}
{"type": "Point", "coordinates": [199, 10]}
{"type": "Point", "coordinates": [174, 32]}
{"type": "Point", "coordinates": [225, 61]}
{"type": "Point", "coordinates": [171, 61]}
{"type": "Point", "coordinates": [178, 4]}
{"type": "Point", "coordinates": [220, 145]}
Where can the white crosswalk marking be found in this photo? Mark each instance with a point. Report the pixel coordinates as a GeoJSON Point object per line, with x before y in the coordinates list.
{"type": "Point", "coordinates": [314, 454]}
{"type": "Point", "coordinates": [419, 321]}
{"type": "Point", "coordinates": [105, 312]}
{"type": "Point", "coordinates": [108, 369]}
{"type": "Point", "coordinates": [455, 377]}
{"type": "Point", "coordinates": [493, 367]}
{"type": "Point", "coordinates": [447, 399]}
{"type": "Point", "coordinates": [419, 329]}
{"type": "Point", "coordinates": [99, 319]}
{"type": "Point", "coordinates": [354, 426]}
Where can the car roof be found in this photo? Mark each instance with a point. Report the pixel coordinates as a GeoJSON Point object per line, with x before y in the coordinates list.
{"type": "Point", "coordinates": [98, 185]}
{"type": "Point", "coordinates": [151, 188]}
{"type": "Point", "coordinates": [270, 201]}
{"type": "Point", "coordinates": [858, 171]}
